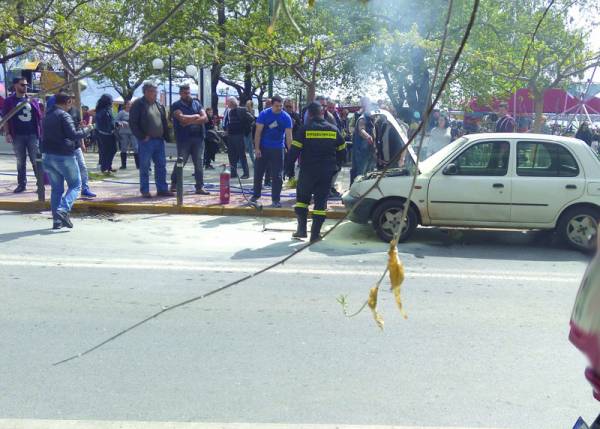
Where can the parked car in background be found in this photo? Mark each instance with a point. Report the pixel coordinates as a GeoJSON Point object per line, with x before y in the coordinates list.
{"type": "Point", "coordinates": [516, 181]}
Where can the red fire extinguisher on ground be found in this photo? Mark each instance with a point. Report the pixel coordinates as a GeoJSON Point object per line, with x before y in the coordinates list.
{"type": "Point", "coordinates": [224, 188]}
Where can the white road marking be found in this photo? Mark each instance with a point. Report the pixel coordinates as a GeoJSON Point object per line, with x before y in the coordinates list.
{"type": "Point", "coordinates": [244, 268]}
{"type": "Point", "coordinates": [128, 424]}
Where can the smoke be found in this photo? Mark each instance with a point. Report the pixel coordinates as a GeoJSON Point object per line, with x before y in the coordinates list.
{"type": "Point", "coordinates": [395, 43]}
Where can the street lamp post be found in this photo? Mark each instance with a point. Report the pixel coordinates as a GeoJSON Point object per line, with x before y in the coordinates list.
{"type": "Point", "coordinates": [192, 71]}
{"type": "Point", "coordinates": [158, 64]}
{"type": "Point", "coordinates": [170, 80]}
{"type": "Point", "coordinates": [270, 81]}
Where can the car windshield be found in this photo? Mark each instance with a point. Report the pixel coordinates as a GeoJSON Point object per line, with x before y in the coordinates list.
{"type": "Point", "coordinates": [431, 162]}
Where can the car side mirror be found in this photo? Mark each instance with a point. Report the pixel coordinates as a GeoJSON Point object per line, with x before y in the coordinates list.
{"type": "Point", "coordinates": [450, 169]}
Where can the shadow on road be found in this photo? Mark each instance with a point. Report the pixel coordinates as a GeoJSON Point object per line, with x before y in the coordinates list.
{"type": "Point", "coordinates": [10, 236]}
{"type": "Point", "coordinates": [354, 239]}
{"type": "Point", "coordinates": [274, 250]}
{"type": "Point", "coordinates": [223, 220]}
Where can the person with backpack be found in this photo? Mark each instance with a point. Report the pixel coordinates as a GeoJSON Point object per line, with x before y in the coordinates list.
{"type": "Point", "coordinates": [188, 120]}
{"type": "Point", "coordinates": [237, 124]}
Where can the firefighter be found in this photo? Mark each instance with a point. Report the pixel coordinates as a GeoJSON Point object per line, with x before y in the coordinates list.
{"type": "Point", "coordinates": [323, 150]}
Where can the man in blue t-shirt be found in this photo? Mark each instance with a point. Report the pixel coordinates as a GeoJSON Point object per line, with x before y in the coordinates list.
{"type": "Point", "coordinates": [23, 129]}
{"type": "Point", "coordinates": [273, 135]}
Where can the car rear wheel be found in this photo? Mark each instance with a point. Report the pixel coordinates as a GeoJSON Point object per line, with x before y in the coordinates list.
{"type": "Point", "coordinates": [578, 228]}
{"type": "Point", "coordinates": [386, 218]}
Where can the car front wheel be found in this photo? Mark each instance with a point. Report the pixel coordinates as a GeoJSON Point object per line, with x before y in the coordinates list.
{"type": "Point", "coordinates": [578, 228]}
{"type": "Point", "coordinates": [386, 219]}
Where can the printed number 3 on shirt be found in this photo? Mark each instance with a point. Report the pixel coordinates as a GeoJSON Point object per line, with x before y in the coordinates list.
{"type": "Point", "coordinates": [25, 115]}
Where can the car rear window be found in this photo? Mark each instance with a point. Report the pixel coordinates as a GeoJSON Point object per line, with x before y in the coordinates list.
{"type": "Point", "coordinates": [541, 159]}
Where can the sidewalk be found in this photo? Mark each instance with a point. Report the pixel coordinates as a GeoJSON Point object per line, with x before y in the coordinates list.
{"type": "Point", "coordinates": [120, 192]}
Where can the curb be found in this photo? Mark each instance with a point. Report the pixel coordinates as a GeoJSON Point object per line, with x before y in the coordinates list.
{"type": "Point", "coordinates": [132, 208]}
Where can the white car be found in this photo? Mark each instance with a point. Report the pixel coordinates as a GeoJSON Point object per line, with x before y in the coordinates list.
{"type": "Point", "coordinates": [516, 180]}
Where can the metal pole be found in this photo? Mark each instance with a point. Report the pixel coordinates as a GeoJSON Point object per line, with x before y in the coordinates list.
{"type": "Point", "coordinates": [270, 83]}
{"type": "Point", "coordinates": [201, 83]}
{"type": "Point", "coordinates": [179, 174]}
{"type": "Point", "coordinates": [170, 80]}
{"type": "Point", "coordinates": [39, 173]}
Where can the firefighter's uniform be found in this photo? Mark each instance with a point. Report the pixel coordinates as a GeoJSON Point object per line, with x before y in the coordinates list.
{"type": "Point", "coordinates": [323, 150]}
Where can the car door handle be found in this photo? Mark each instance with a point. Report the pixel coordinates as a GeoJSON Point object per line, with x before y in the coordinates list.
{"type": "Point", "coordinates": [498, 185]}
{"type": "Point", "coordinates": [571, 186]}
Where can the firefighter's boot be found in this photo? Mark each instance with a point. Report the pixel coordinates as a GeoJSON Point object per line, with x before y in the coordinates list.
{"type": "Point", "coordinates": [315, 231]}
{"type": "Point", "coordinates": [302, 216]}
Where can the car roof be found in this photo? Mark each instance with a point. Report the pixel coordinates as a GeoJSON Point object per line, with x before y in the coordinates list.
{"type": "Point", "coordinates": [526, 136]}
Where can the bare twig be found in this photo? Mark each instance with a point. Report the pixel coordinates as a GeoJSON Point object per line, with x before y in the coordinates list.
{"type": "Point", "coordinates": [107, 62]}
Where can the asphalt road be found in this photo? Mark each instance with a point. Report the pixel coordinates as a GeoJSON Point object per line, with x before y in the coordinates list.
{"type": "Point", "coordinates": [485, 344]}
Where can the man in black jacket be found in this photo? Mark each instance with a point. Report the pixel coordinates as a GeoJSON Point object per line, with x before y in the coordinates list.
{"type": "Point", "coordinates": [148, 123]}
{"type": "Point", "coordinates": [238, 124]}
{"type": "Point", "coordinates": [61, 139]}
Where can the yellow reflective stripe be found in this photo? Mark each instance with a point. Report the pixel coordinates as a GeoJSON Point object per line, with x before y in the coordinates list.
{"type": "Point", "coordinates": [297, 144]}
{"type": "Point", "coordinates": [301, 205]}
{"type": "Point", "coordinates": [319, 212]}
{"type": "Point", "coordinates": [321, 134]}
{"type": "Point", "coordinates": [341, 147]}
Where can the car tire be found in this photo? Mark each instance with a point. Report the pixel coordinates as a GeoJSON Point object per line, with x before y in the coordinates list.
{"type": "Point", "coordinates": [386, 217]}
{"type": "Point", "coordinates": [578, 227]}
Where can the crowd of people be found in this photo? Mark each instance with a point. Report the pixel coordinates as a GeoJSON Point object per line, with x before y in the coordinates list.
{"type": "Point", "coordinates": [262, 146]}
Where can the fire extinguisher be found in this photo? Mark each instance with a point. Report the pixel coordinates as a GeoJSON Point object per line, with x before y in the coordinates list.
{"type": "Point", "coordinates": [224, 188]}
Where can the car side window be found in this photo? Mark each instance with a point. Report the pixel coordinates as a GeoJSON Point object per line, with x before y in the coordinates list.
{"type": "Point", "coordinates": [484, 159]}
{"type": "Point", "coordinates": [539, 159]}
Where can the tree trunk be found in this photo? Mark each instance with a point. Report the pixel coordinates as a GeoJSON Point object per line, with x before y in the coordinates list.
{"type": "Point", "coordinates": [260, 101]}
{"type": "Point", "coordinates": [311, 90]}
{"type": "Point", "coordinates": [247, 95]}
{"type": "Point", "coordinates": [76, 93]}
{"type": "Point", "coordinates": [215, 74]}
{"type": "Point", "coordinates": [538, 108]}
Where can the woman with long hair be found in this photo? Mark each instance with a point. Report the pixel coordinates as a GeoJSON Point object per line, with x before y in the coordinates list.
{"type": "Point", "coordinates": [439, 136]}
{"type": "Point", "coordinates": [105, 128]}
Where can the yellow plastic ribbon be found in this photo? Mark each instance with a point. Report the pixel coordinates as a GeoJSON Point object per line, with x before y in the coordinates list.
{"type": "Point", "coordinates": [396, 270]}
{"type": "Point", "coordinates": [373, 306]}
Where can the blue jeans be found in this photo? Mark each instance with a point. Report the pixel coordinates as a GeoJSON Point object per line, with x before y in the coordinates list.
{"type": "Point", "coordinates": [249, 143]}
{"type": "Point", "coordinates": [23, 145]}
{"type": "Point", "coordinates": [272, 160]}
{"type": "Point", "coordinates": [82, 169]}
{"type": "Point", "coordinates": [153, 150]}
{"type": "Point", "coordinates": [61, 168]}
{"type": "Point", "coordinates": [363, 159]}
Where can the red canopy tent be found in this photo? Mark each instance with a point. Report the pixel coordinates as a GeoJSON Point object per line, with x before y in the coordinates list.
{"type": "Point", "coordinates": [521, 102]}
